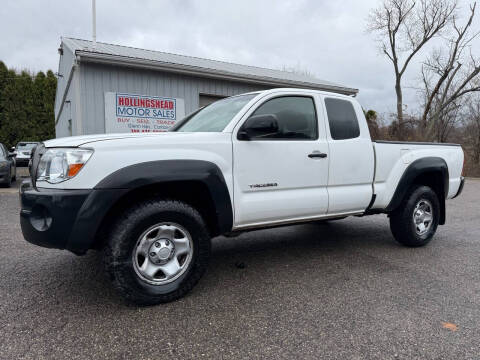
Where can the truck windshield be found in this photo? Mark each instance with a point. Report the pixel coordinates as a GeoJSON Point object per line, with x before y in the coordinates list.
{"type": "Point", "coordinates": [214, 117]}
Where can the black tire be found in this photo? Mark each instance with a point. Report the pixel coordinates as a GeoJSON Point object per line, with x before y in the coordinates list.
{"type": "Point", "coordinates": [123, 239]}
{"type": "Point", "coordinates": [8, 182]}
{"type": "Point", "coordinates": [402, 222]}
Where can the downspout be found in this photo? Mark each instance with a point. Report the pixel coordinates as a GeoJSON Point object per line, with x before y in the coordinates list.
{"type": "Point", "coordinates": [78, 99]}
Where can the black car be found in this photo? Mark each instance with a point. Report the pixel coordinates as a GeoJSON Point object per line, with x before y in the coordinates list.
{"type": "Point", "coordinates": [8, 167]}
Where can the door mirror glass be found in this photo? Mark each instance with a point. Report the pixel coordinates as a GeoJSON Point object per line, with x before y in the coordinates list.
{"type": "Point", "coordinates": [259, 126]}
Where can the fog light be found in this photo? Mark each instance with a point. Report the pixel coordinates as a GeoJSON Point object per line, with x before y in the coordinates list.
{"type": "Point", "coordinates": [40, 218]}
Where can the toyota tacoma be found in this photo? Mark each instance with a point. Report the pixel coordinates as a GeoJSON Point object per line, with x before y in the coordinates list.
{"type": "Point", "coordinates": [152, 201]}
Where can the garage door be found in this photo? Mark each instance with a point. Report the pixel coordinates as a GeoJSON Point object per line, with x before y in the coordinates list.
{"type": "Point", "coordinates": [205, 99]}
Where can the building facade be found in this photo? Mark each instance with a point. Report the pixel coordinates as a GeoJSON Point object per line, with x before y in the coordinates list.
{"type": "Point", "coordinates": [112, 88]}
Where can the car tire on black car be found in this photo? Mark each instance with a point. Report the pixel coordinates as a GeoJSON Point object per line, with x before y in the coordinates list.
{"type": "Point", "coordinates": [415, 221]}
{"type": "Point", "coordinates": [7, 183]}
{"type": "Point", "coordinates": [157, 234]}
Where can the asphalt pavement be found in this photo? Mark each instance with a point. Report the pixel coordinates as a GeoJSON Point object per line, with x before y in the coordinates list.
{"type": "Point", "coordinates": [340, 290]}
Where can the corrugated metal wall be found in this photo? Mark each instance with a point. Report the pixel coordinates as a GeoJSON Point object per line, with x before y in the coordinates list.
{"type": "Point", "coordinates": [96, 79]}
{"type": "Point", "coordinates": [62, 126]}
{"type": "Point", "coordinates": [64, 67]}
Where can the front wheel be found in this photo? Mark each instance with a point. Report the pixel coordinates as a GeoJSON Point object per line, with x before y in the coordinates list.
{"type": "Point", "coordinates": [157, 251]}
{"type": "Point", "coordinates": [415, 221]}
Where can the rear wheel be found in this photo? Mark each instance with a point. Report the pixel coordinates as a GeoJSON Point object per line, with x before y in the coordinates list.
{"type": "Point", "coordinates": [415, 221]}
{"type": "Point", "coordinates": [157, 252]}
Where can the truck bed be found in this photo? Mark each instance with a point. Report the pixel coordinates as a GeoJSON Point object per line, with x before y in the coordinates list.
{"type": "Point", "coordinates": [392, 158]}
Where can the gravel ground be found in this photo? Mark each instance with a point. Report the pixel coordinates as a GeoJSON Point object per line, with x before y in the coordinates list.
{"type": "Point", "coordinates": [342, 290]}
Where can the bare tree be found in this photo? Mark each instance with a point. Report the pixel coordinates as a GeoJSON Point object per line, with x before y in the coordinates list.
{"type": "Point", "coordinates": [471, 122]}
{"type": "Point", "coordinates": [404, 27]}
{"type": "Point", "coordinates": [447, 78]}
{"type": "Point", "coordinates": [438, 130]}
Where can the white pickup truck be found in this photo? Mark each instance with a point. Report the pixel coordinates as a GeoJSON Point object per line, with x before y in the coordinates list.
{"type": "Point", "coordinates": [152, 202]}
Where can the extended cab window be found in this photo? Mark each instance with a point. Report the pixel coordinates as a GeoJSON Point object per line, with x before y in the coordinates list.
{"type": "Point", "coordinates": [342, 119]}
{"type": "Point", "coordinates": [295, 116]}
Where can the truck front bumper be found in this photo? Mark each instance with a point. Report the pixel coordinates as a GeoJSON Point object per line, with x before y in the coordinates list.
{"type": "Point", "coordinates": [63, 219]}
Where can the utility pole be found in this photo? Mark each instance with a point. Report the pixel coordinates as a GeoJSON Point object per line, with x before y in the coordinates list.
{"type": "Point", "coordinates": [94, 24]}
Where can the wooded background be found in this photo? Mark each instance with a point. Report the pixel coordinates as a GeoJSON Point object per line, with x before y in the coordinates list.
{"type": "Point", "coordinates": [26, 106]}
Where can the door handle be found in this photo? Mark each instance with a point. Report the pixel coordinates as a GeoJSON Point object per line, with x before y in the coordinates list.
{"type": "Point", "coordinates": [317, 155]}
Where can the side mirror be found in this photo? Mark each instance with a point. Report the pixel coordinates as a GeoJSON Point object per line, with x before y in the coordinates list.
{"type": "Point", "coordinates": [258, 126]}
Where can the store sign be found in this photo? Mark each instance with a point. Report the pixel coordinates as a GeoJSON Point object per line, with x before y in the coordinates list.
{"type": "Point", "coordinates": [141, 113]}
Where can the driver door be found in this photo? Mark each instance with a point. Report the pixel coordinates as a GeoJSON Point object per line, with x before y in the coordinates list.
{"type": "Point", "coordinates": [281, 176]}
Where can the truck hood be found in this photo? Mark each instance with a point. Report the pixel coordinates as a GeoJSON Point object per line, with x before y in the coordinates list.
{"type": "Point", "coordinates": [74, 141]}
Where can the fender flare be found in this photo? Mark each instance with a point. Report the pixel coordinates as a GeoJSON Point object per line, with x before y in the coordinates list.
{"type": "Point", "coordinates": [118, 184]}
{"type": "Point", "coordinates": [157, 172]}
{"type": "Point", "coordinates": [415, 169]}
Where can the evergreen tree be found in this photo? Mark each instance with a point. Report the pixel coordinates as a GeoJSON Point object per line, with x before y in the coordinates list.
{"type": "Point", "coordinates": [48, 124]}
{"type": "Point", "coordinates": [26, 106]}
{"type": "Point", "coordinates": [4, 75]}
{"type": "Point", "coordinates": [44, 88]}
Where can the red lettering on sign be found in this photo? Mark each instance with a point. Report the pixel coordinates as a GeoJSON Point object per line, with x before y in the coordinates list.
{"type": "Point", "coordinates": [145, 103]}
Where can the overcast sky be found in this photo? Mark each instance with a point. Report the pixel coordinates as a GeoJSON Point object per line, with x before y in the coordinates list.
{"type": "Point", "coordinates": [327, 38]}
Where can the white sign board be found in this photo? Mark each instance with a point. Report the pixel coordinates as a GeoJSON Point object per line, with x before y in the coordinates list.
{"type": "Point", "coordinates": [141, 113]}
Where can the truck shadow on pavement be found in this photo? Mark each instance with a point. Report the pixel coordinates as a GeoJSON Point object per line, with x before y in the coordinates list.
{"type": "Point", "coordinates": [259, 260]}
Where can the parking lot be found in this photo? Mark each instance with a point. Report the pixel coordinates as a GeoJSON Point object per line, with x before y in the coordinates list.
{"type": "Point", "coordinates": [341, 290]}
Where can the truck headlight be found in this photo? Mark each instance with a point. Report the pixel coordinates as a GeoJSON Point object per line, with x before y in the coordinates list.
{"type": "Point", "coordinates": [57, 165]}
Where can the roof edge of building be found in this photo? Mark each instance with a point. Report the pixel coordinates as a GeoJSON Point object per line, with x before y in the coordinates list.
{"type": "Point", "coordinates": [97, 57]}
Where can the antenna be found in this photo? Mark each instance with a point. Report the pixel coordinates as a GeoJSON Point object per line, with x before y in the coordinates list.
{"type": "Point", "coordinates": [94, 24]}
